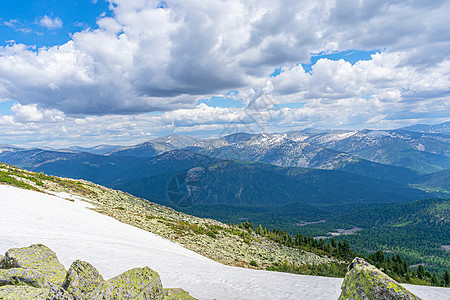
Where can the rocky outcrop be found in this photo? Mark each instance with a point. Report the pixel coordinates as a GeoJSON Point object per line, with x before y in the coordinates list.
{"type": "Point", "coordinates": [82, 278]}
{"type": "Point", "coordinates": [364, 282]}
{"type": "Point", "coordinates": [17, 276]}
{"type": "Point", "coordinates": [11, 292]}
{"type": "Point", "coordinates": [35, 273]}
{"type": "Point", "coordinates": [138, 283]}
{"type": "Point", "coordinates": [36, 257]}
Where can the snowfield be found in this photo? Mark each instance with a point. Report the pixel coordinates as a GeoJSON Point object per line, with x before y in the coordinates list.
{"type": "Point", "coordinates": [75, 232]}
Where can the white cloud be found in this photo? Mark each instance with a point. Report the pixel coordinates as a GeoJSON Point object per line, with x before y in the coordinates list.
{"type": "Point", "coordinates": [31, 113]}
{"type": "Point", "coordinates": [50, 23]}
{"type": "Point", "coordinates": [146, 59]}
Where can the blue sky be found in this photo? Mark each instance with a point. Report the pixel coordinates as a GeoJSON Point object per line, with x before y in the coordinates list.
{"type": "Point", "coordinates": [20, 20]}
{"type": "Point", "coordinates": [126, 71]}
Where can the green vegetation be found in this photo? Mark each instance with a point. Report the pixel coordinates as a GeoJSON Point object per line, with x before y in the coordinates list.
{"type": "Point", "coordinates": [393, 265]}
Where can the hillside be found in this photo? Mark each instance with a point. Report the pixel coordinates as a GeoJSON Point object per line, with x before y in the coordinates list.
{"type": "Point", "coordinates": [241, 183]}
{"type": "Point", "coordinates": [438, 182]}
{"type": "Point", "coordinates": [443, 128]}
{"type": "Point", "coordinates": [227, 244]}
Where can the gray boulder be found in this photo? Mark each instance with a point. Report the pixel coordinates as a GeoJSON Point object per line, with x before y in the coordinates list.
{"type": "Point", "coordinates": [365, 282]}
{"type": "Point", "coordinates": [56, 292]}
{"type": "Point", "coordinates": [138, 283]}
{"type": "Point", "coordinates": [17, 276]}
{"type": "Point", "coordinates": [177, 294]}
{"type": "Point", "coordinates": [37, 257]}
{"type": "Point", "coordinates": [11, 292]}
{"type": "Point", "coordinates": [35, 273]}
{"type": "Point", "coordinates": [82, 278]}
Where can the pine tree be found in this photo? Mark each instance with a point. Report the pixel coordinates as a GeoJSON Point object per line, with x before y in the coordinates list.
{"type": "Point", "coordinates": [420, 272]}
{"type": "Point", "coordinates": [434, 279]}
{"type": "Point", "coordinates": [446, 278]}
{"type": "Point", "coordinates": [333, 242]}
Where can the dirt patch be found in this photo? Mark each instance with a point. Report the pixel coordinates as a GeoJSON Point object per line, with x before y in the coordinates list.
{"type": "Point", "coordinates": [304, 223]}
{"type": "Point", "coordinates": [446, 247]}
{"type": "Point", "coordinates": [341, 231]}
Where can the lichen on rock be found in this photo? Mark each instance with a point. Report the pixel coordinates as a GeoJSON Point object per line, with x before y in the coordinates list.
{"type": "Point", "coordinates": [37, 257]}
{"type": "Point", "coordinates": [365, 282]}
{"type": "Point", "coordinates": [11, 292]}
{"type": "Point", "coordinates": [35, 273]}
{"type": "Point", "coordinates": [82, 278]}
{"type": "Point", "coordinates": [177, 294]}
{"type": "Point", "coordinates": [59, 293]}
{"type": "Point", "coordinates": [137, 283]}
{"type": "Point", "coordinates": [18, 276]}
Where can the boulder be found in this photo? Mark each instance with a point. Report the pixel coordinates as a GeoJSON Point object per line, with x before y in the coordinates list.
{"type": "Point", "coordinates": [364, 281]}
{"type": "Point", "coordinates": [35, 273]}
{"type": "Point", "coordinates": [17, 276]}
{"type": "Point", "coordinates": [56, 292]}
{"type": "Point", "coordinates": [82, 278]}
{"type": "Point", "coordinates": [137, 283]}
{"type": "Point", "coordinates": [177, 294]}
{"type": "Point", "coordinates": [37, 257]}
{"type": "Point", "coordinates": [11, 292]}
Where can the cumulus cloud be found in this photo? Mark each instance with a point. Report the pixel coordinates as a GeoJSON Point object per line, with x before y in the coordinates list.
{"type": "Point", "coordinates": [31, 113]}
{"type": "Point", "coordinates": [50, 23]}
{"type": "Point", "coordinates": [151, 57]}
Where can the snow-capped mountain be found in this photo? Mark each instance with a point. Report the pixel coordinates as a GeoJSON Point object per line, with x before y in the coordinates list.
{"type": "Point", "coordinates": [276, 149]}
{"type": "Point", "coordinates": [156, 146]}
{"type": "Point", "coordinates": [424, 152]}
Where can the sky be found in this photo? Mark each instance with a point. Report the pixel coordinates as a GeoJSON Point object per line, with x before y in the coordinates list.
{"type": "Point", "coordinates": [125, 71]}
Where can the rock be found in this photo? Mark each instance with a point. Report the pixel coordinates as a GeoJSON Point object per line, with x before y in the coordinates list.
{"type": "Point", "coordinates": [17, 276]}
{"type": "Point", "coordinates": [35, 273]}
{"type": "Point", "coordinates": [11, 292]}
{"type": "Point", "coordinates": [364, 281]}
{"type": "Point", "coordinates": [37, 257]}
{"type": "Point", "coordinates": [138, 283]}
{"type": "Point", "coordinates": [58, 293]}
{"type": "Point", "coordinates": [82, 278]}
{"type": "Point", "coordinates": [177, 294]}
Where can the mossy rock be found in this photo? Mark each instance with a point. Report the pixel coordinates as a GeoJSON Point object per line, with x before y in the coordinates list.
{"type": "Point", "coordinates": [37, 257]}
{"type": "Point", "coordinates": [177, 294]}
{"type": "Point", "coordinates": [138, 283]}
{"type": "Point", "coordinates": [365, 282]}
{"type": "Point", "coordinates": [18, 276]}
{"type": "Point", "coordinates": [11, 292]}
{"type": "Point", "coordinates": [82, 278]}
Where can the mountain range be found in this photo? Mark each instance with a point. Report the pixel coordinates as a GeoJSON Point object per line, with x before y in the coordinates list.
{"type": "Point", "coordinates": [309, 166]}
{"type": "Point", "coordinates": [310, 182]}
